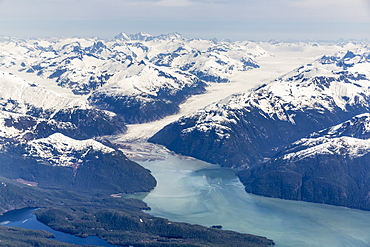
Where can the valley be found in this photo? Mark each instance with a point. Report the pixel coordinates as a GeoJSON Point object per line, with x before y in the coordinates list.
{"type": "Point", "coordinates": [84, 121]}
{"type": "Point", "coordinates": [277, 61]}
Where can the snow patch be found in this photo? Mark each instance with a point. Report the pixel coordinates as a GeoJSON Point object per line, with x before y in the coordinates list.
{"type": "Point", "coordinates": [346, 146]}
{"type": "Point", "coordinates": [61, 150]}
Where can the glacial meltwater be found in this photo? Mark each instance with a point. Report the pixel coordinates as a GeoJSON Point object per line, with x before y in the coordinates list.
{"type": "Point", "coordinates": [196, 192]}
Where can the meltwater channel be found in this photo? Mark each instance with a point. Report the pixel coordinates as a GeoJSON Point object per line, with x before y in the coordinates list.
{"type": "Point", "coordinates": [196, 192]}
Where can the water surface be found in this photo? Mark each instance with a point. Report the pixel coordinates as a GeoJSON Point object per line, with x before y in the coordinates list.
{"type": "Point", "coordinates": [196, 192]}
{"type": "Point", "coordinates": [24, 218]}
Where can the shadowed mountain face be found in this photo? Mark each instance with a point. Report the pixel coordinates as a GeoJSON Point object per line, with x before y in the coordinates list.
{"type": "Point", "coordinates": [139, 77]}
{"type": "Point", "coordinates": [60, 162]}
{"type": "Point", "coordinates": [244, 129]}
{"type": "Point", "coordinates": [57, 94]}
{"type": "Point", "coordinates": [330, 166]}
{"type": "Point", "coordinates": [252, 131]}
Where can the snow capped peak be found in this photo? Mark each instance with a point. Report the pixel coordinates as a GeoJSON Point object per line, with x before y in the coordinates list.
{"type": "Point", "coordinates": [27, 92]}
{"type": "Point", "coordinates": [167, 68]}
{"type": "Point", "coordinates": [170, 36]}
{"type": "Point", "coordinates": [281, 99]}
{"type": "Point", "coordinates": [347, 58]}
{"type": "Point", "coordinates": [320, 84]}
{"type": "Point", "coordinates": [61, 150]}
{"type": "Point", "coordinates": [358, 127]}
{"type": "Point", "coordinates": [122, 36]}
{"type": "Point", "coordinates": [346, 146]}
{"type": "Point", "coordinates": [350, 138]}
{"type": "Point", "coordinates": [314, 86]}
{"type": "Point", "coordinates": [142, 36]}
{"type": "Point", "coordinates": [257, 124]}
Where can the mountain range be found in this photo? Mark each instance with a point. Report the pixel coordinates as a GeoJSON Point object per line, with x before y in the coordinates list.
{"type": "Point", "coordinates": [60, 97]}
{"type": "Point", "coordinates": [244, 129]}
{"type": "Point", "coordinates": [281, 133]}
{"type": "Point", "coordinates": [139, 77]}
{"type": "Point", "coordinates": [301, 136]}
{"type": "Point", "coordinates": [330, 166]}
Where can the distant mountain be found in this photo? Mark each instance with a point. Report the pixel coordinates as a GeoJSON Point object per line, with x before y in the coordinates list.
{"type": "Point", "coordinates": [147, 37]}
{"type": "Point", "coordinates": [330, 166]}
{"type": "Point", "coordinates": [137, 76]}
{"type": "Point", "coordinates": [56, 94]}
{"type": "Point", "coordinates": [50, 111]}
{"type": "Point", "coordinates": [58, 97]}
{"type": "Point", "coordinates": [245, 129]}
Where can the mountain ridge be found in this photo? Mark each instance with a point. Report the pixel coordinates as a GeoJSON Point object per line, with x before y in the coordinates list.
{"type": "Point", "coordinates": [154, 73]}
{"type": "Point", "coordinates": [329, 166]}
{"type": "Point", "coordinates": [243, 129]}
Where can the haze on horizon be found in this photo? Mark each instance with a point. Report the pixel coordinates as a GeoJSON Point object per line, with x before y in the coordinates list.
{"type": "Point", "coordinates": [231, 19]}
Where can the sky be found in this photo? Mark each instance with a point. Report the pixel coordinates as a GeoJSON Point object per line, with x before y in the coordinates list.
{"type": "Point", "coordinates": [221, 19]}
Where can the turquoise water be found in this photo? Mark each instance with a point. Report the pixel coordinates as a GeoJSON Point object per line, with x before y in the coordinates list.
{"type": "Point", "coordinates": [195, 192]}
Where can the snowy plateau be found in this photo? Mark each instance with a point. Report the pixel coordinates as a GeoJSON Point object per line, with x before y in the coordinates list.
{"type": "Point", "coordinates": [293, 117]}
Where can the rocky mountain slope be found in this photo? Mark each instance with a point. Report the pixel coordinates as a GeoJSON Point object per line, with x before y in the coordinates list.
{"type": "Point", "coordinates": [330, 166]}
{"type": "Point", "coordinates": [43, 109]}
{"type": "Point", "coordinates": [139, 77]}
{"type": "Point", "coordinates": [50, 153]}
{"type": "Point", "coordinates": [244, 129]}
{"type": "Point", "coordinates": [60, 162]}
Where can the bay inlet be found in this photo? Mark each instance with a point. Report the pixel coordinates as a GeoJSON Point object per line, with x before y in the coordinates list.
{"type": "Point", "coordinates": [196, 192]}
